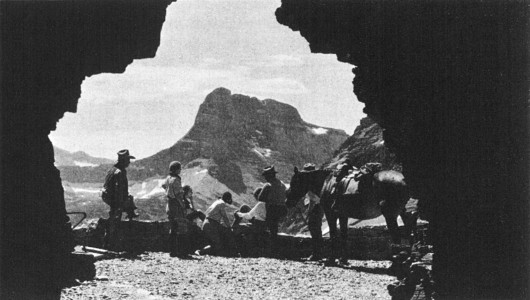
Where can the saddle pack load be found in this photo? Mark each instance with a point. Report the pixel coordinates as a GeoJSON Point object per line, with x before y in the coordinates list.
{"type": "Point", "coordinates": [354, 192]}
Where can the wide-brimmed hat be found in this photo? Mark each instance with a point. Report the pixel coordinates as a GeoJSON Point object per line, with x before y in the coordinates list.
{"type": "Point", "coordinates": [269, 171]}
{"type": "Point", "coordinates": [125, 154]}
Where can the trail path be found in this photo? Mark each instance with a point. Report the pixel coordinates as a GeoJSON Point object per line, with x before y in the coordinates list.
{"type": "Point", "coordinates": [156, 276]}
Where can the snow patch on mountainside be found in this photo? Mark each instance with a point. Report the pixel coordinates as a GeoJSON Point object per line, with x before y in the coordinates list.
{"type": "Point", "coordinates": [319, 130]}
{"type": "Point", "coordinates": [150, 189]}
{"type": "Point", "coordinates": [84, 164]}
{"type": "Point", "coordinates": [262, 152]}
{"type": "Point", "coordinates": [85, 190]}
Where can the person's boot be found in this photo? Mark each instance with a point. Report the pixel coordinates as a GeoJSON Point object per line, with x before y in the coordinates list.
{"type": "Point", "coordinates": [331, 261]}
{"type": "Point", "coordinates": [182, 246]}
{"type": "Point", "coordinates": [343, 260]}
{"type": "Point", "coordinates": [274, 247]}
{"type": "Point", "coordinates": [131, 214]}
{"type": "Point", "coordinates": [173, 250]}
{"type": "Point", "coordinates": [316, 254]}
{"type": "Point", "coordinates": [207, 250]}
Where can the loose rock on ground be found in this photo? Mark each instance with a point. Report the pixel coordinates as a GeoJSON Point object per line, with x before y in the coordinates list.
{"type": "Point", "coordinates": [156, 276]}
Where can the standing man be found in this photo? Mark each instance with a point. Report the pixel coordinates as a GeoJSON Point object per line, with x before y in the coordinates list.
{"type": "Point", "coordinates": [314, 222]}
{"type": "Point", "coordinates": [116, 194]}
{"type": "Point", "coordinates": [273, 194]}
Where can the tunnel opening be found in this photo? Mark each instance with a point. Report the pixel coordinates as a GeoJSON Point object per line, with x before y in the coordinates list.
{"type": "Point", "coordinates": [448, 81]}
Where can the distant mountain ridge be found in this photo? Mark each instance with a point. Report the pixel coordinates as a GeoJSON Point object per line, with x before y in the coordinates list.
{"type": "Point", "coordinates": [78, 158]}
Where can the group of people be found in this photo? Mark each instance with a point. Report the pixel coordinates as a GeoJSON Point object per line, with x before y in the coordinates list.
{"type": "Point", "coordinates": [249, 227]}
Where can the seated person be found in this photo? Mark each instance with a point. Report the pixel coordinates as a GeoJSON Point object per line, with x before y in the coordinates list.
{"type": "Point", "coordinates": [257, 214]}
{"type": "Point", "coordinates": [238, 220]}
{"type": "Point", "coordinates": [216, 228]}
{"type": "Point", "coordinates": [249, 224]}
{"type": "Point", "coordinates": [195, 219]}
{"type": "Point", "coordinates": [191, 213]}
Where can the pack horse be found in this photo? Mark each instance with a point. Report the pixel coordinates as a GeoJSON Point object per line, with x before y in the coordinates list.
{"type": "Point", "coordinates": [363, 194]}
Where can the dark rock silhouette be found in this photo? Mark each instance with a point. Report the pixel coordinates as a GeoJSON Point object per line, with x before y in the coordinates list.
{"type": "Point", "coordinates": [48, 48]}
{"type": "Point", "coordinates": [448, 83]}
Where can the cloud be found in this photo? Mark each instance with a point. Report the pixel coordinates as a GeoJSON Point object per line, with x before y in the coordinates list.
{"type": "Point", "coordinates": [278, 86]}
{"type": "Point", "coordinates": [211, 62]}
{"type": "Point", "coordinates": [145, 83]}
{"type": "Point", "coordinates": [279, 60]}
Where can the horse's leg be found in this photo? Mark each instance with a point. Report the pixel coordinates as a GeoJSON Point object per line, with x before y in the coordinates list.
{"type": "Point", "coordinates": [343, 239]}
{"type": "Point", "coordinates": [410, 220]}
{"type": "Point", "coordinates": [391, 223]}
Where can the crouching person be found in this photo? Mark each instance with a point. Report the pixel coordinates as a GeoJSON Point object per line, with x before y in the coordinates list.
{"type": "Point", "coordinates": [250, 227]}
{"type": "Point", "coordinates": [216, 228]}
{"type": "Point", "coordinates": [176, 212]}
{"type": "Point", "coordinates": [195, 219]}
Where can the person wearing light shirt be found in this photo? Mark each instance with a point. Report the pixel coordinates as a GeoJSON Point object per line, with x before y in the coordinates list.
{"type": "Point", "coordinates": [216, 228]}
{"type": "Point", "coordinates": [257, 213]}
{"type": "Point", "coordinates": [273, 194]}
{"type": "Point", "coordinates": [249, 225]}
{"type": "Point", "coordinates": [178, 234]}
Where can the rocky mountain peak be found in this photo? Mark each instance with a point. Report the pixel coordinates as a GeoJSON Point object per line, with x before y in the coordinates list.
{"type": "Point", "coordinates": [238, 134]}
{"type": "Point", "coordinates": [223, 112]}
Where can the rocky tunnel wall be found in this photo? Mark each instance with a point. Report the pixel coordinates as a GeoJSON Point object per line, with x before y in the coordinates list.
{"type": "Point", "coordinates": [48, 48]}
{"type": "Point", "coordinates": [448, 82]}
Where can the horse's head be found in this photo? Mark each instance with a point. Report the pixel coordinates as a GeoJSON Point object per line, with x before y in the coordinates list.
{"type": "Point", "coordinates": [299, 186]}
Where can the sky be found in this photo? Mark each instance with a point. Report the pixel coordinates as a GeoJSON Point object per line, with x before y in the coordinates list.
{"type": "Point", "coordinates": [236, 44]}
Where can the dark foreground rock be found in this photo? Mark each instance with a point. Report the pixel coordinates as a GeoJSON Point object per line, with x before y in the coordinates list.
{"type": "Point", "coordinates": [157, 276]}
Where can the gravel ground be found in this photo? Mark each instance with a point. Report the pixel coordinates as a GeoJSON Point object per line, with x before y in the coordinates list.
{"type": "Point", "coordinates": [156, 276]}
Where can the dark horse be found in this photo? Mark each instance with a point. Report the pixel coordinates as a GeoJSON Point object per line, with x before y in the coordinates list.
{"type": "Point", "coordinates": [365, 194]}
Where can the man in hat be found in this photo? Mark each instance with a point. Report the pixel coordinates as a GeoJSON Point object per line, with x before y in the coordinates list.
{"type": "Point", "coordinates": [273, 194]}
{"type": "Point", "coordinates": [116, 195]}
{"type": "Point", "coordinates": [314, 222]}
